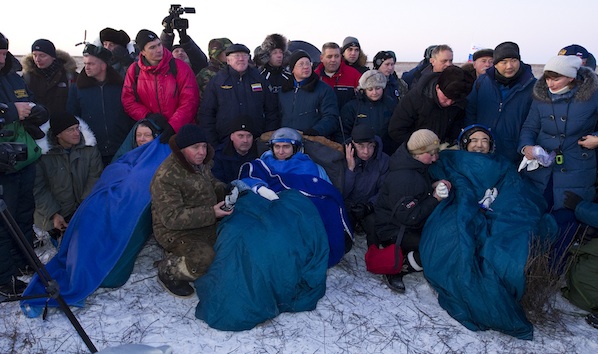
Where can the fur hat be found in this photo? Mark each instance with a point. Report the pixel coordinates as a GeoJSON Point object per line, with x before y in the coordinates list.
{"type": "Point", "coordinates": [363, 133]}
{"type": "Point", "coordinates": [3, 42]}
{"type": "Point", "coordinates": [382, 56]}
{"type": "Point", "coordinates": [422, 141]}
{"type": "Point", "coordinates": [350, 42]}
{"type": "Point", "coordinates": [506, 50]}
{"type": "Point", "coordinates": [372, 78]}
{"type": "Point", "coordinates": [483, 53]}
{"type": "Point", "coordinates": [62, 121]}
{"type": "Point", "coordinates": [144, 37]}
{"type": "Point", "coordinates": [188, 135]}
{"type": "Point", "coordinates": [119, 37]}
{"type": "Point", "coordinates": [298, 54]}
{"type": "Point", "coordinates": [98, 52]}
{"type": "Point", "coordinates": [566, 65]}
{"type": "Point", "coordinates": [575, 49]}
{"type": "Point", "coordinates": [237, 47]}
{"type": "Point", "coordinates": [455, 83]}
{"type": "Point", "coordinates": [44, 45]}
{"type": "Point", "coordinates": [217, 46]}
{"type": "Point", "coordinates": [274, 41]}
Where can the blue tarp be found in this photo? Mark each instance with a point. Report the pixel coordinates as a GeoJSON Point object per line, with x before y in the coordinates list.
{"type": "Point", "coordinates": [475, 260]}
{"type": "Point", "coordinates": [106, 232]}
{"type": "Point", "coordinates": [271, 257]}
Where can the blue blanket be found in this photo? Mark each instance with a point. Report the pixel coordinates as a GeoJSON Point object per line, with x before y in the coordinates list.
{"type": "Point", "coordinates": [113, 220]}
{"type": "Point", "coordinates": [271, 257]}
{"type": "Point", "coordinates": [324, 195]}
{"type": "Point", "coordinates": [474, 259]}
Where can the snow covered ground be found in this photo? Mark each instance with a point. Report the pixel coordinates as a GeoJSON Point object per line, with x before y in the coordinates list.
{"type": "Point", "coordinates": [358, 314]}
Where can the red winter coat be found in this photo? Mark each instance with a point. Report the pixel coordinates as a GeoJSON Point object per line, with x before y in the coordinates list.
{"type": "Point", "coordinates": [344, 82]}
{"type": "Point", "coordinates": [160, 92]}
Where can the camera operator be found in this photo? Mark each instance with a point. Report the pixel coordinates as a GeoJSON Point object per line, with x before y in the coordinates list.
{"type": "Point", "coordinates": [187, 50]}
{"type": "Point", "coordinates": [16, 187]}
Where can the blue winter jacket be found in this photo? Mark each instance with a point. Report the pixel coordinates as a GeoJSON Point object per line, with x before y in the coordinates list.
{"type": "Point", "coordinates": [587, 213]}
{"type": "Point", "coordinates": [503, 115]}
{"type": "Point", "coordinates": [557, 122]}
{"type": "Point", "coordinates": [12, 88]}
{"type": "Point", "coordinates": [309, 105]}
{"type": "Point", "coordinates": [363, 183]}
{"type": "Point", "coordinates": [229, 95]}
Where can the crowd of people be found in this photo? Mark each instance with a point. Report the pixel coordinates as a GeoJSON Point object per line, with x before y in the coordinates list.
{"type": "Point", "coordinates": [212, 110]}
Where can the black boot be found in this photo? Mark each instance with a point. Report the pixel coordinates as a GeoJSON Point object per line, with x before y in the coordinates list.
{"type": "Point", "coordinates": [592, 320]}
{"type": "Point", "coordinates": [13, 288]}
{"type": "Point", "coordinates": [176, 287]}
{"type": "Point", "coordinates": [395, 282]}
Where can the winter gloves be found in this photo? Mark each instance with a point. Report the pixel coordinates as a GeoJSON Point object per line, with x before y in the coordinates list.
{"type": "Point", "coordinates": [267, 193]}
{"type": "Point", "coordinates": [361, 210]}
{"type": "Point", "coordinates": [571, 200]}
{"type": "Point", "coordinates": [442, 190]}
{"type": "Point", "coordinates": [230, 199]}
{"type": "Point", "coordinates": [541, 158]}
{"type": "Point", "coordinates": [488, 199]}
{"type": "Point", "coordinates": [162, 122]}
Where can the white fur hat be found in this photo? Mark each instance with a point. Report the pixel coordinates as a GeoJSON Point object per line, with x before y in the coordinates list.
{"type": "Point", "coordinates": [372, 78]}
{"type": "Point", "coordinates": [566, 65]}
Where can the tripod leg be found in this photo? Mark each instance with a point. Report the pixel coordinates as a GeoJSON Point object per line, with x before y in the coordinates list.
{"type": "Point", "coordinates": [50, 285]}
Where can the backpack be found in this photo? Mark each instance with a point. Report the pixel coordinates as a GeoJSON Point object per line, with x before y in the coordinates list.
{"type": "Point", "coordinates": [171, 69]}
{"type": "Point", "coordinates": [582, 277]}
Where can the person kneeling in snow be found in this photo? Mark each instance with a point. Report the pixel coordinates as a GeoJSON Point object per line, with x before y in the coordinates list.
{"type": "Point", "coordinates": [186, 206]}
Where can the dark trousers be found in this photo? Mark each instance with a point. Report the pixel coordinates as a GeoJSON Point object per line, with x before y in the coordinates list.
{"type": "Point", "coordinates": [17, 191]}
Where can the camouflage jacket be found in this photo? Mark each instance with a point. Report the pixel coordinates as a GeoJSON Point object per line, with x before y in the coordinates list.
{"type": "Point", "coordinates": [183, 198]}
{"type": "Point", "coordinates": [205, 74]}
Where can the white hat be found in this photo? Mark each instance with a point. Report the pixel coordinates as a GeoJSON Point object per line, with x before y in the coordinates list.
{"type": "Point", "coordinates": [566, 65]}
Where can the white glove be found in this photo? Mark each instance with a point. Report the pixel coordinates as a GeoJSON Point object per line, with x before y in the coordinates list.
{"type": "Point", "coordinates": [488, 199]}
{"type": "Point", "coordinates": [442, 190]}
{"type": "Point", "coordinates": [545, 159]}
{"type": "Point", "coordinates": [528, 164]}
{"type": "Point", "coordinates": [267, 193]}
{"type": "Point", "coordinates": [230, 199]}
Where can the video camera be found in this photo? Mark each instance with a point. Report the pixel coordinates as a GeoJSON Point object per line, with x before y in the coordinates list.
{"type": "Point", "coordinates": [177, 22]}
{"type": "Point", "coordinates": [10, 152]}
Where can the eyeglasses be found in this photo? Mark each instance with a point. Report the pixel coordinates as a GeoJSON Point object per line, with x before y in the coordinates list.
{"type": "Point", "coordinates": [239, 55]}
{"type": "Point", "coordinates": [303, 64]}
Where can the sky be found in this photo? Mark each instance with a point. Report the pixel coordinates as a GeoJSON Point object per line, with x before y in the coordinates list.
{"type": "Point", "coordinates": [406, 27]}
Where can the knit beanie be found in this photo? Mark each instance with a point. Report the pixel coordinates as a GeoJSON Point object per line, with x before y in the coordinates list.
{"type": "Point", "coordinates": [241, 122]}
{"type": "Point", "coordinates": [455, 83]}
{"type": "Point", "coordinates": [61, 121]}
{"type": "Point", "coordinates": [144, 37]}
{"type": "Point", "coordinates": [350, 42]}
{"type": "Point", "coordinates": [422, 141]}
{"type": "Point", "coordinates": [575, 49]}
{"type": "Point", "coordinates": [483, 53]}
{"type": "Point", "coordinates": [298, 54]}
{"type": "Point", "coordinates": [506, 50]}
{"type": "Point", "coordinates": [382, 56]}
{"type": "Point", "coordinates": [363, 133]}
{"type": "Point", "coordinates": [372, 78]}
{"type": "Point", "coordinates": [217, 46]}
{"type": "Point", "coordinates": [119, 37]}
{"type": "Point", "coordinates": [44, 45]}
{"type": "Point", "coordinates": [188, 135]}
{"type": "Point", "coordinates": [566, 65]}
{"type": "Point", "coordinates": [99, 52]}
{"type": "Point", "coordinates": [3, 42]}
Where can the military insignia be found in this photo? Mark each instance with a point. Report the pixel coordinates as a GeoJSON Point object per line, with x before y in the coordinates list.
{"type": "Point", "coordinates": [563, 52]}
{"type": "Point", "coordinates": [361, 115]}
{"type": "Point", "coordinates": [226, 87]}
{"type": "Point", "coordinates": [21, 93]}
{"type": "Point", "coordinates": [256, 87]}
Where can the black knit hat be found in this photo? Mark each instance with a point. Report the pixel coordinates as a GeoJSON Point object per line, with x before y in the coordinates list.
{"type": "Point", "coordinates": [3, 42]}
{"type": "Point", "coordinates": [61, 121]}
{"type": "Point", "coordinates": [44, 45]}
{"type": "Point", "coordinates": [298, 54]}
{"type": "Point", "coordinates": [483, 53]}
{"type": "Point", "coordinates": [237, 47]}
{"type": "Point", "coordinates": [506, 50]}
{"type": "Point", "coordinates": [363, 133]}
{"type": "Point", "coordinates": [119, 37]}
{"type": "Point", "coordinates": [144, 37]}
{"type": "Point", "coordinates": [382, 56]}
{"type": "Point", "coordinates": [455, 83]}
{"type": "Point", "coordinates": [99, 52]}
{"type": "Point", "coordinates": [242, 122]}
{"type": "Point", "coordinates": [190, 134]}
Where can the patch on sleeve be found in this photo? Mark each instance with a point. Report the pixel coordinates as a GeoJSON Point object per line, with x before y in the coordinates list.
{"type": "Point", "coordinates": [21, 93]}
{"type": "Point", "coordinates": [256, 87]}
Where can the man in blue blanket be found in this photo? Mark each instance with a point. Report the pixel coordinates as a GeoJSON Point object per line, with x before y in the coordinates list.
{"type": "Point", "coordinates": [475, 245]}
{"type": "Point", "coordinates": [285, 166]}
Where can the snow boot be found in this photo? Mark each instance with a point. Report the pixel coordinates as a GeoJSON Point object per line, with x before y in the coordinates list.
{"type": "Point", "coordinates": [170, 272]}
{"type": "Point", "coordinates": [13, 288]}
{"type": "Point", "coordinates": [395, 282]}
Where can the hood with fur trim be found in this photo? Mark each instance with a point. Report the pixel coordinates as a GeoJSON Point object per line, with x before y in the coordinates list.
{"type": "Point", "coordinates": [49, 142]}
{"type": "Point", "coordinates": [70, 65]}
{"type": "Point", "coordinates": [587, 87]}
{"type": "Point", "coordinates": [272, 41]}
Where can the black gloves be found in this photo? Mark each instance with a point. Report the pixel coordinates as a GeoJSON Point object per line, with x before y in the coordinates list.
{"type": "Point", "coordinates": [361, 210]}
{"type": "Point", "coordinates": [571, 200]}
{"type": "Point", "coordinates": [162, 122]}
{"type": "Point", "coordinates": [311, 132]}
{"type": "Point", "coordinates": [167, 23]}
{"type": "Point", "coordinates": [183, 36]}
